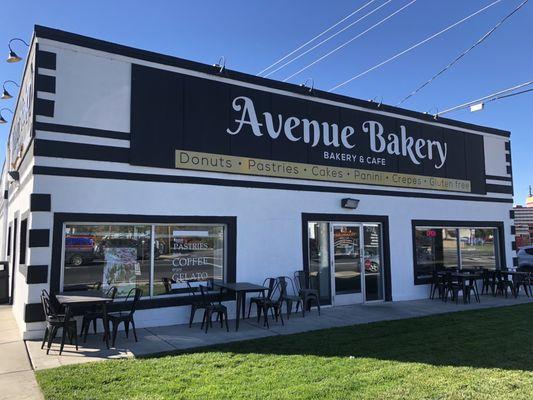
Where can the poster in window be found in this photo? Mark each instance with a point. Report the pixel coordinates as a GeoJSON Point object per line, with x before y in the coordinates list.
{"type": "Point", "coordinates": [120, 269]}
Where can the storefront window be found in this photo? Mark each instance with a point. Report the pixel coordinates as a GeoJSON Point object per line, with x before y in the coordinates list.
{"type": "Point", "coordinates": [193, 253]}
{"type": "Point", "coordinates": [437, 248]}
{"type": "Point", "coordinates": [105, 256]}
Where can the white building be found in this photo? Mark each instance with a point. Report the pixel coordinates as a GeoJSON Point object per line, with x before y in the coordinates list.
{"type": "Point", "coordinates": [135, 166]}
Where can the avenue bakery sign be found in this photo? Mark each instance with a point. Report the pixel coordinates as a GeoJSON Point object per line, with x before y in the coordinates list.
{"type": "Point", "coordinates": [313, 132]}
{"type": "Point", "coordinates": [187, 122]}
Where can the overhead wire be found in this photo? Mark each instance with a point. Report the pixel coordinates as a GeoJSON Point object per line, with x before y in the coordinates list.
{"type": "Point", "coordinates": [433, 36]}
{"type": "Point", "coordinates": [464, 53]}
{"type": "Point", "coordinates": [328, 38]}
{"type": "Point", "coordinates": [317, 36]}
{"type": "Point", "coordinates": [501, 94]}
{"type": "Point", "coordinates": [350, 40]}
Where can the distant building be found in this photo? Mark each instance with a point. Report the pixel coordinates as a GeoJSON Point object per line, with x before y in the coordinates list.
{"type": "Point", "coordinates": [523, 218]}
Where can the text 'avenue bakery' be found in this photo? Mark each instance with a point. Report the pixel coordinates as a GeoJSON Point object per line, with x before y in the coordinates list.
{"type": "Point", "coordinates": [141, 170]}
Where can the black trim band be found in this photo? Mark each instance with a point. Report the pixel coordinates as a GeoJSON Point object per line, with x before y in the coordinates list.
{"type": "Point", "coordinates": [40, 202]}
{"type": "Point", "coordinates": [46, 59]}
{"type": "Point", "coordinates": [45, 83]}
{"type": "Point", "coordinates": [491, 188]}
{"type": "Point", "coordinates": [80, 151]}
{"type": "Point", "coordinates": [39, 238]}
{"type": "Point", "coordinates": [499, 178]}
{"type": "Point", "coordinates": [513, 230]}
{"type": "Point", "coordinates": [37, 274]}
{"type": "Point", "coordinates": [509, 169]}
{"type": "Point", "coordinates": [6, 194]}
{"type": "Point", "coordinates": [44, 107]}
{"type": "Point", "coordinates": [98, 174]}
{"type": "Point", "coordinates": [80, 130]}
{"type": "Point", "coordinates": [508, 146]}
{"type": "Point", "coordinates": [33, 312]}
{"type": "Point", "coordinates": [513, 245]}
{"type": "Point", "coordinates": [515, 261]}
{"type": "Point", "coordinates": [101, 45]}
{"type": "Point", "coordinates": [511, 214]}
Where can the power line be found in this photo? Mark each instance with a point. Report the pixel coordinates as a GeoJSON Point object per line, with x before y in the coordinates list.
{"type": "Point", "coordinates": [351, 40]}
{"type": "Point", "coordinates": [464, 53]}
{"type": "Point", "coordinates": [317, 36]}
{"type": "Point", "coordinates": [328, 38]}
{"type": "Point", "coordinates": [414, 46]}
{"type": "Point", "coordinates": [494, 96]}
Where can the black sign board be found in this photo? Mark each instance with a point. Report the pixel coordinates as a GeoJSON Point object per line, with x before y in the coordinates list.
{"type": "Point", "coordinates": [182, 121]}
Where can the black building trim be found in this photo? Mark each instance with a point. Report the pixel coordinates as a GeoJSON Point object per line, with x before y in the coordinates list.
{"type": "Point", "coordinates": [45, 83]}
{"type": "Point", "coordinates": [508, 146]}
{"type": "Point", "coordinates": [101, 45]}
{"type": "Point", "coordinates": [80, 151]}
{"type": "Point", "coordinates": [6, 194]}
{"type": "Point", "coordinates": [23, 243]}
{"type": "Point", "coordinates": [513, 230]}
{"type": "Point", "coordinates": [44, 107]}
{"type": "Point", "coordinates": [515, 261]}
{"type": "Point", "coordinates": [508, 157]}
{"type": "Point", "coordinates": [383, 219]}
{"type": "Point", "coordinates": [491, 188]}
{"type": "Point", "coordinates": [509, 169]}
{"type": "Point", "coordinates": [37, 274]}
{"type": "Point", "coordinates": [46, 59]}
{"type": "Point", "coordinates": [457, 224]}
{"type": "Point", "coordinates": [33, 312]}
{"type": "Point", "coordinates": [100, 174]}
{"type": "Point", "coordinates": [62, 218]}
{"type": "Point", "coordinates": [511, 214]}
{"type": "Point", "coordinates": [80, 130]}
{"type": "Point", "coordinates": [513, 245]}
{"type": "Point", "coordinates": [499, 178]}
{"type": "Point", "coordinates": [39, 238]}
{"type": "Point", "coordinates": [40, 202]}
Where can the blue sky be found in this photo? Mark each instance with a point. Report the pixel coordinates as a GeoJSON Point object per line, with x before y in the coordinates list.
{"type": "Point", "coordinates": [253, 34]}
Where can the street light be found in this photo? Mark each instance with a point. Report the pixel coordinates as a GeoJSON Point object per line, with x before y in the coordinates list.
{"type": "Point", "coordinates": [6, 95]}
{"type": "Point", "coordinates": [2, 119]}
{"type": "Point", "coordinates": [13, 57]}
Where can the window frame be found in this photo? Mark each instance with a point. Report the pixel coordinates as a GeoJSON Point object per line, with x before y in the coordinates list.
{"type": "Point", "coordinates": [499, 242]}
{"type": "Point", "coordinates": [151, 272]}
{"type": "Point", "coordinates": [122, 219]}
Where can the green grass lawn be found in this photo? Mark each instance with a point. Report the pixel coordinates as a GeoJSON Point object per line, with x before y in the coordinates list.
{"type": "Point", "coordinates": [483, 354]}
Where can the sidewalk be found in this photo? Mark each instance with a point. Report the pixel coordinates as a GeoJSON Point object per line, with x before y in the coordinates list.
{"type": "Point", "coordinates": [17, 380]}
{"type": "Point", "coordinates": [179, 337]}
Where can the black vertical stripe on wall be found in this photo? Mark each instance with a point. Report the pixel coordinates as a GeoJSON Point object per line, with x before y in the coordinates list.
{"type": "Point", "coordinates": [23, 242]}
{"type": "Point", "coordinates": [515, 261]}
{"type": "Point", "coordinates": [40, 202]}
{"type": "Point", "coordinates": [509, 170]}
{"type": "Point", "coordinates": [46, 59]}
{"type": "Point", "coordinates": [33, 312]}
{"type": "Point", "coordinates": [39, 238]}
{"type": "Point", "coordinates": [508, 146]}
{"type": "Point", "coordinates": [508, 157]}
{"type": "Point", "coordinates": [6, 194]}
{"type": "Point", "coordinates": [511, 214]}
{"type": "Point", "coordinates": [37, 274]}
{"type": "Point", "coordinates": [44, 107]}
{"type": "Point", "coordinates": [45, 83]}
{"type": "Point", "coordinates": [513, 230]}
{"type": "Point", "coordinates": [513, 245]}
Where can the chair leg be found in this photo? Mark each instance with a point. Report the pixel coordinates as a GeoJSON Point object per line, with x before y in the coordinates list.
{"type": "Point", "coordinates": [51, 337]}
{"type": "Point", "coordinates": [63, 334]}
{"type": "Point", "coordinates": [115, 330]}
{"type": "Point", "coordinates": [94, 325]}
{"type": "Point", "coordinates": [249, 309]}
{"type": "Point", "coordinates": [289, 308]}
{"type": "Point", "coordinates": [133, 329]}
{"type": "Point", "coordinates": [75, 337]}
{"type": "Point", "coordinates": [265, 311]}
{"type": "Point", "coordinates": [259, 309]}
{"type": "Point", "coordinates": [83, 322]}
{"type": "Point", "coordinates": [191, 318]}
{"type": "Point", "coordinates": [46, 331]}
{"type": "Point", "coordinates": [208, 319]}
{"type": "Point", "coordinates": [86, 330]}
{"type": "Point", "coordinates": [127, 328]}
{"type": "Point", "coordinates": [204, 319]}
{"type": "Point", "coordinates": [281, 315]}
{"type": "Point", "coordinates": [226, 318]}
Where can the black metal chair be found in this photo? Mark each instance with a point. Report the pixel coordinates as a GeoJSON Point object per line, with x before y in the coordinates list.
{"type": "Point", "coordinates": [453, 288]}
{"type": "Point", "coordinates": [469, 287]}
{"type": "Point", "coordinates": [126, 317]}
{"type": "Point", "coordinates": [259, 300]}
{"type": "Point", "coordinates": [489, 281]}
{"type": "Point", "coordinates": [54, 322]}
{"type": "Point", "coordinates": [503, 283]}
{"type": "Point", "coordinates": [306, 292]}
{"type": "Point", "coordinates": [167, 283]}
{"type": "Point", "coordinates": [522, 281]}
{"type": "Point", "coordinates": [290, 298]}
{"type": "Point", "coordinates": [274, 303]}
{"type": "Point", "coordinates": [213, 308]}
{"type": "Point", "coordinates": [197, 302]}
{"type": "Point", "coordinates": [437, 284]}
{"type": "Point", "coordinates": [94, 314]}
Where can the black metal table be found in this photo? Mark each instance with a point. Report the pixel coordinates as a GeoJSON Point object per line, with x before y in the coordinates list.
{"type": "Point", "coordinates": [240, 289]}
{"type": "Point", "coordinates": [86, 298]}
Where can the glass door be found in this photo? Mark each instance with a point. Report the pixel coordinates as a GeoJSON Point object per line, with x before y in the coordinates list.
{"type": "Point", "coordinates": [319, 263]}
{"type": "Point", "coordinates": [346, 263]}
{"type": "Point", "coordinates": [373, 262]}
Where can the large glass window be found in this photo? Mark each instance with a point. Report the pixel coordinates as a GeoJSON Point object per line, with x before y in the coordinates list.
{"type": "Point", "coordinates": [187, 253]}
{"type": "Point", "coordinates": [105, 255]}
{"type": "Point", "coordinates": [437, 248]}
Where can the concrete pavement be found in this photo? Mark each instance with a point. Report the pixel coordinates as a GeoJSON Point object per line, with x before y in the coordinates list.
{"type": "Point", "coordinates": [17, 380]}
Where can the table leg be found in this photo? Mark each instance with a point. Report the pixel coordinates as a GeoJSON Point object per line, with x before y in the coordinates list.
{"type": "Point", "coordinates": [106, 326]}
{"type": "Point", "coordinates": [239, 302]}
{"type": "Point", "coordinates": [243, 307]}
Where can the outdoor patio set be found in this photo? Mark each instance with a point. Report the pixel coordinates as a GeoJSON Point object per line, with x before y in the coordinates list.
{"type": "Point", "coordinates": [96, 304]}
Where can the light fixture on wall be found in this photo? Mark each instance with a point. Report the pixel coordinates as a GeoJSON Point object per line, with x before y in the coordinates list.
{"type": "Point", "coordinates": [351, 204]}
{"type": "Point", "coordinates": [6, 95]}
{"type": "Point", "coordinates": [2, 119]}
{"type": "Point", "coordinates": [309, 87]}
{"type": "Point", "coordinates": [14, 175]}
{"type": "Point", "coordinates": [221, 64]}
{"type": "Point", "coordinates": [13, 57]}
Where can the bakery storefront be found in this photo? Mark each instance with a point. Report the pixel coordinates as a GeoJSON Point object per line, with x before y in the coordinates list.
{"type": "Point", "coordinates": [137, 169]}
